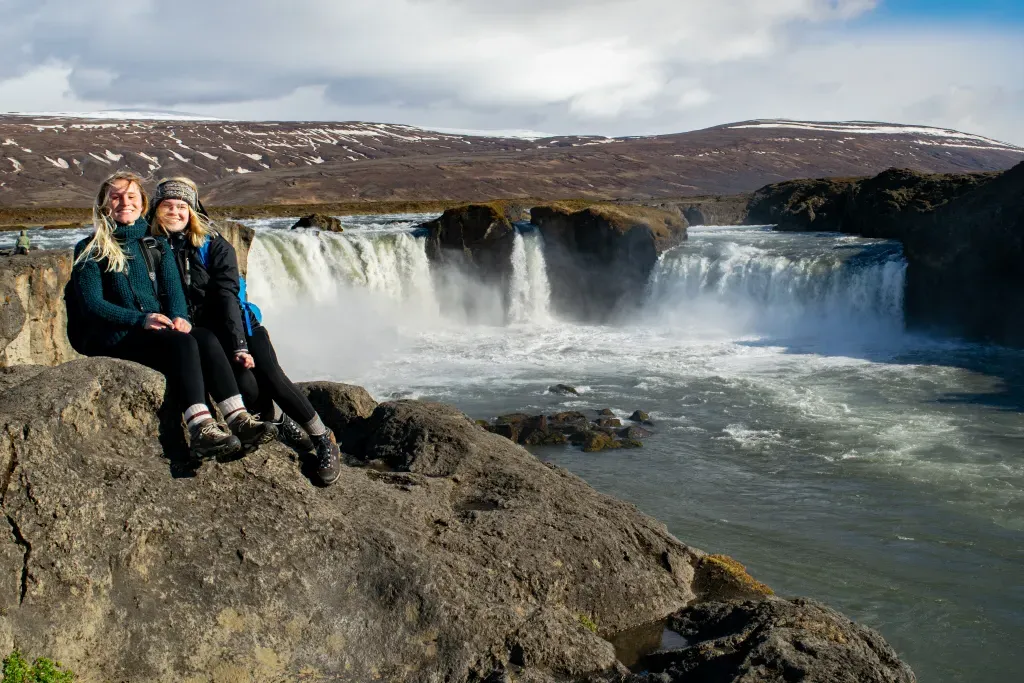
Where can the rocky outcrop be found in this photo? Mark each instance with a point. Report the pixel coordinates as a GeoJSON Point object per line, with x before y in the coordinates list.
{"type": "Point", "coordinates": [773, 641]}
{"type": "Point", "coordinates": [962, 237]}
{"type": "Point", "coordinates": [599, 258]}
{"type": "Point", "coordinates": [319, 221]}
{"type": "Point", "coordinates": [711, 210]}
{"type": "Point", "coordinates": [476, 238]}
{"type": "Point", "coordinates": [33, 324]}
{"type": "Point", "coordinates": [879, 206]}
{"type": "Point", "coordinates": [965, 263]}
{"type": "Point", "coordinates": [241, 238]}
{"type": "Point", "coordinates": [33, 320]}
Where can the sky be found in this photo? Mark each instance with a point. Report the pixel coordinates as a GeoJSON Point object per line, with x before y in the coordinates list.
{"type": "Point", "coordinates": [606, 67]}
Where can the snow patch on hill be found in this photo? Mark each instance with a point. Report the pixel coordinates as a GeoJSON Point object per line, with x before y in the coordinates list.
{"type": "Point", "coordinates": [871, 128]}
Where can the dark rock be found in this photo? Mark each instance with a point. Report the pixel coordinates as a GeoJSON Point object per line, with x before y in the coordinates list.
{"type": "Point", "coordinates": [564, 389]}
{"type": "Point", "coordinates": [640, 416]}
{"type": "Point", "coordinates": [595, 441]}
{"type": "Point", "coordinates": [774, 641]}
{"type": "Point", "coordinates": [607, 412]}
{"type": "Point", "coordinates": [319, 221]}
{"type": "Point", "coordinates": [630, 443]}
{"type": "Point", "coordinates": [600, 258]}
{"type": "Point", "coordinates": [344, 408]}
{"type": "Point", "coordinates": [539, 438]}
{"type": "Point", "coordinates": [608, 422]}
{"type": "Point", "coordinates": [633, 433]}
{"type": "Point", "coordinates": [506, 430]}
{"type": "Point", "coordinates": [390, 575]}
{"type": "Point", "coordinates": [476, 239]}
{"type": "Point", "coordinates": [568, 421]}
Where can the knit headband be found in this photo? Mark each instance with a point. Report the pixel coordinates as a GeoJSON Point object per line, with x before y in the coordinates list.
{"type": "Point", "coordinates": [173, 189]}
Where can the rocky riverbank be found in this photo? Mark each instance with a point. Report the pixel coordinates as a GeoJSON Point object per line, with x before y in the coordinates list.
{"type": "Point", "coordinates": [444, 553]}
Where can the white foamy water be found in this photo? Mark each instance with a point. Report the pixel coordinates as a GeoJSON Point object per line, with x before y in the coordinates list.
{"type": "Point", "coordinates": [797, 425]}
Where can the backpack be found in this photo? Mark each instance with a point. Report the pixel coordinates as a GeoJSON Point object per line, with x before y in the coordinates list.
{"type": "Point", "coordinates": [248, 308]}
{"type": "Point", "coordinates": [77, 329]}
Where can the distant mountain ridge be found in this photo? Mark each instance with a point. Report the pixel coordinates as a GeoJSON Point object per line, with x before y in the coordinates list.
{"type": "Point", "coordinates": [58, 159]}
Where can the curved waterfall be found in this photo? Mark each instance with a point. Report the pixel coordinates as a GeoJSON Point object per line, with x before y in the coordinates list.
{"type": "Point", "coordinates": [756, 280]}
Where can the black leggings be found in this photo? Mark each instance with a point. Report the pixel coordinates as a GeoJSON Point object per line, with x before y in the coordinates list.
{"type": "Point", "coordinates": [173, 353]}
{"type": "Point", "coordinates": [267, 382]}
{"type": "Point", "coordinates": [217, 369]}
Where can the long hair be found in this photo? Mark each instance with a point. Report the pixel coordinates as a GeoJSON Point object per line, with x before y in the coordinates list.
{"type": "Point", "coordinates": [103, 245]}
{"type": "Point", "coordinates": [199, 226]}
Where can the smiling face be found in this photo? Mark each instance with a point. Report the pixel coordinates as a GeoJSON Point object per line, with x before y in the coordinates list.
{"type": "Point", "coordinates": [125, 201]}
{"type": "Point", "coordinates": [172, 214]}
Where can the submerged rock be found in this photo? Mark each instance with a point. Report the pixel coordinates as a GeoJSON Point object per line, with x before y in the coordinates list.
{"type": "Point", "coordinates": [564, 389]}
{"type": "Point", "coordinates": [640, 416]}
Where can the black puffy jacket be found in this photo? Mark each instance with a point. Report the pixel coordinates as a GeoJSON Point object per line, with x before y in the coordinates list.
{"type": "Point", "coordinates": [212, 290]}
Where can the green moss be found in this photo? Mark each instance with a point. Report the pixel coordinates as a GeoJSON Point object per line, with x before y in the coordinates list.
{"type": "Point", "coordinates": [728, 570]}
{"type": "Point", "coordinates": [42, 670]}
{"type": "Point", "coordinates": [588, 623]}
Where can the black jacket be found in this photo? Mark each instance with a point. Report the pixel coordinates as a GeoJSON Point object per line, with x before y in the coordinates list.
{"type": "Point", "coordinates": [212, 290]}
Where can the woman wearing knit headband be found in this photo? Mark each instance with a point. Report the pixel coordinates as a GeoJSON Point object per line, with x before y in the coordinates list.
{"type": "Point", "coordinates": [209, 269]}
{"type": "Point", "coordinates": [126, 306]}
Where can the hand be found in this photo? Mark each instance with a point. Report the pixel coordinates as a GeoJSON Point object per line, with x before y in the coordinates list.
{"type": "Point", "coordinates": [157, 321]}
{"type": "Point", "coordinates": [182, 325]}
{"type": "Point", "coordinates": [245, 360]}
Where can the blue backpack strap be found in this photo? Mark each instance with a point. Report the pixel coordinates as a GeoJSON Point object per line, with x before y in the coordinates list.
{"type": "Point", "coordinates": [204, 251]}
{"type": "Point", "coordinates": [248, 309]}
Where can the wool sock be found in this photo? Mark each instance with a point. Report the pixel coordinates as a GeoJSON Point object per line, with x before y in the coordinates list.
{"type": "Point", "coordinates": [275, 412]}
{"type": "Point", "coordinates": [231, 408]}
{"type": "Point", "coordinates": [315, 427]}
{"type": "Point", "coordinates": [196, 414]}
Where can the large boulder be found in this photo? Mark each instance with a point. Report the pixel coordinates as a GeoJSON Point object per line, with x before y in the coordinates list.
{"type": "Point", "coordinates": [802, 205]}
{"type": "Point", "coordinates": [33, 322]}
{"type": "Point", "coordinates": [599, 258]}
{"type": "Point", "coordinates": [456, 555]}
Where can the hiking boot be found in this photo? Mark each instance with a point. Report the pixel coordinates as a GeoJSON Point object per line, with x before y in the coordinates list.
{"type": "Point", "coordinates": [289, 431]}
{"type": "Point", "coordinates": [209, 440]}
{"type": "Point", "coordinates": [251, 432]}
{"type": "Point", "coordinates": [328, 457]}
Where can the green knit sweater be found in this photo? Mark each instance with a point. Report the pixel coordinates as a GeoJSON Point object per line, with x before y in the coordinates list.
{"type": "Point", "coordinates": [116, 302]}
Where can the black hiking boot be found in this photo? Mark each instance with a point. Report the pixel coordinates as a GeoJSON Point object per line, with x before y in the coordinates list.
{"type": "Point", "coordinates": [289, 431]}
{"type": "Point", "coordinates": [209, 440]}
{"type": "Point", "coordinates": [328, 458]}
{"type": "Point", "coordinates": [251, 432]}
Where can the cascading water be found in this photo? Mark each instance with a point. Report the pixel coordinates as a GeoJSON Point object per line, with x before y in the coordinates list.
{"type": "Point", "coordinates": [777, 284]}
{"type": "Point", "coordinates": [530, 297]}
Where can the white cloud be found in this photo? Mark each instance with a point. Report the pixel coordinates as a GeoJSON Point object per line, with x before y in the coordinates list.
{"type": "Point", "coordinates": [603, 66]}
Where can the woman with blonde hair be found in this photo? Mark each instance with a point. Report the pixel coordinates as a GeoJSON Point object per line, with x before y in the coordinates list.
{"type": "Point", "coordinates": [129, 305]}
{"type": "Point", "coordinates": [216, 299]}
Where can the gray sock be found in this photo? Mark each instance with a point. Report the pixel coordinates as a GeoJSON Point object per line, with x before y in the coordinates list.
{"type": "Point", "coordinates": [315, 427]}
{"type": "Point", "coordinates": [276, 413]}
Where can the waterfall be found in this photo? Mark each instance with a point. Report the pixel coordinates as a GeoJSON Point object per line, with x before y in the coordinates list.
{"type": "Point", "coordinates": [784, 283]}
{"type": "Point", "coordinates": [530, 294]}
{"type": "Point", "coordinates": [288, 267]}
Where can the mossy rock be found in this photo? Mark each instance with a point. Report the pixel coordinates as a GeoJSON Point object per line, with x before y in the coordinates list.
{"type": "Point", "coordinates": [599, 441]}
{"type": "Point", "coordinates": [539, 438]}
{"type": "Point", "coordinates": [720, 577]}
{"type": "Point", "coordinates": [630, 443]}
{"type": "Point", "coordinates": [608, 422]}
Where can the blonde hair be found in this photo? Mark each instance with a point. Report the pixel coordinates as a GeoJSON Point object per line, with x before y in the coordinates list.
{"type": "Point", "coordinates": [198, 228]}
{"type": "Point", "coordinates": [103, 245]}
